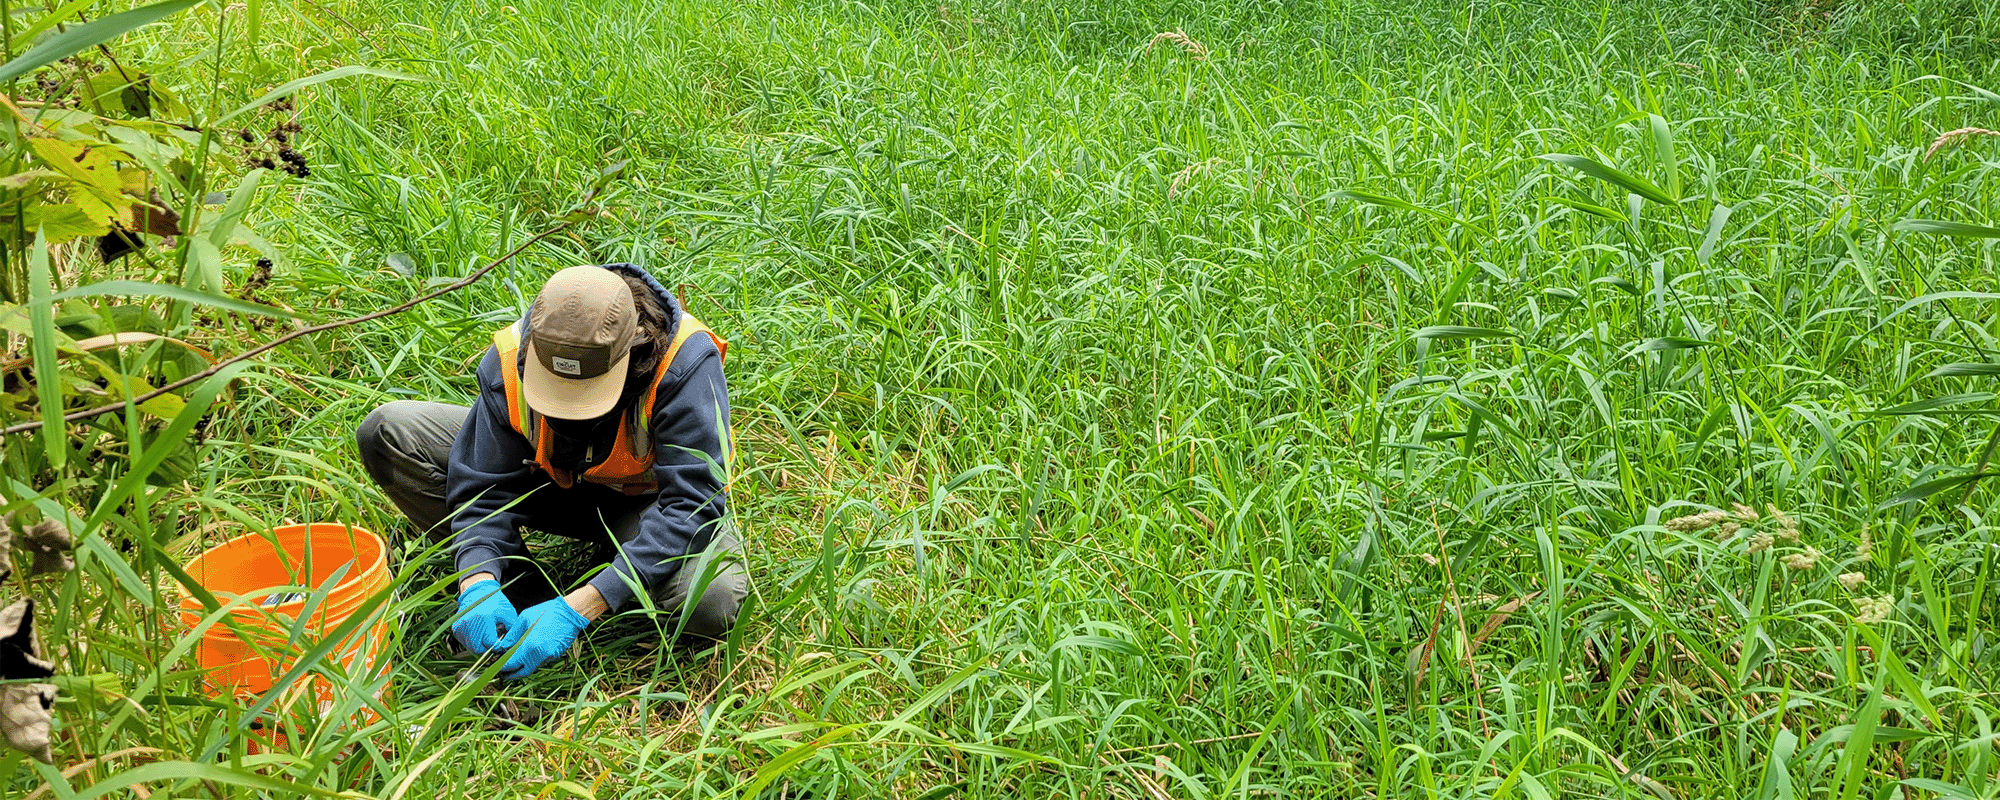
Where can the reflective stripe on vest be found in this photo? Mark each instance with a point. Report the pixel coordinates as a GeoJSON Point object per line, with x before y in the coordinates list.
{"type": "Point", "coordinates": [628, 467]}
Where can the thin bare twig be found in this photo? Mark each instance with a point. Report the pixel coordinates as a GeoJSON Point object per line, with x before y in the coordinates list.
{"type": "Point", "coordinates": [306, 331]}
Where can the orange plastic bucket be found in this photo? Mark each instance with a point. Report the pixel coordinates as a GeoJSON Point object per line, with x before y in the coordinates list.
{"type": "Point", "coordinates": [268, 581]}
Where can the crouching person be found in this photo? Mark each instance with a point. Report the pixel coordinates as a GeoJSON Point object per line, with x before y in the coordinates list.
{"type": "Point", "coordinates": [602, 416]}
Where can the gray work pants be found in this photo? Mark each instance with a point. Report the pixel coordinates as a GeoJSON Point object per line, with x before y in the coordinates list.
{"type": "Point", "coordinates": [406, 445]}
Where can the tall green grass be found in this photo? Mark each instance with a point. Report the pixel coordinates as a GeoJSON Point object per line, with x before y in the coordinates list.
{"type": "Point", "coordinates": [1119, 422]}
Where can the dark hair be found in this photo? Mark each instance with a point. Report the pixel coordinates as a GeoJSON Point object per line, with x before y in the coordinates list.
{"type": "Point", "coordinates": [653, 336]}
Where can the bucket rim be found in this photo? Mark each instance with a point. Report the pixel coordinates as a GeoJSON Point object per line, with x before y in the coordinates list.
{"type": "Point", "coordinates": [373, 571]}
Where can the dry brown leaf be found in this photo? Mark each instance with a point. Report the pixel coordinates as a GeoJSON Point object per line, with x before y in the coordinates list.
{"type": "Point", "coordinates": [50, 543]}
{"type": "Point", "coordinates": [24, 707]}
{"type": "Point", "coordinates": [6, 546]}
{"type": "Point", "coordinates": [25, 718]}
{"type": "Point", "coordinates": [1498, 619]}
{"type": "Point", "coordinates": [1152, 785]}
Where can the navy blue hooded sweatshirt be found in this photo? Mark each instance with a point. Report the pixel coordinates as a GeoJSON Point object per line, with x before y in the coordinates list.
{"type": "Point", "coordinates": [492, 465]}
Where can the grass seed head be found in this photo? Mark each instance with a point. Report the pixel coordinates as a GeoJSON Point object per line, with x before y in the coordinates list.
{"type": "Point", "coordinates": [1697, 522]}
{"type": "Point", "coordinates": [1744, 514]}
{"type": "Point", "coordinates": [1865, 549]}
{"type": "Point", "coordinates": [1187, 174]}
{"type": "Point", "coordinates": [1788, 527]}
{"type": "Point", "coordinates": [1802, 561]}
{"type": "Point", "coordinates": [1194, 49]}
{"type": "Point", "coordinates": [1758, 544]}
{"type": "Point", "coordinates": [1950, 139]}
{"type": "Point", "coordinates": [1871, 610]}
{"type": "Point", "coordinates": [1727, 530]}
{"type": "Point", "coordinates": [1852, 580]}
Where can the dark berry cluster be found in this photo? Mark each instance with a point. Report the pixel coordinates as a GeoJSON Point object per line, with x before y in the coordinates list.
{"type": "Point", "coordinates": [280, 136]}
{"type": "Point", "coordinates": [294, 163]}
{"type": "Point", "coordinates": [258, 280]}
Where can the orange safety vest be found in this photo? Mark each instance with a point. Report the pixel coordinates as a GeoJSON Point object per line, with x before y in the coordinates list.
{"type": "Point", "coordinates": [629, 468]}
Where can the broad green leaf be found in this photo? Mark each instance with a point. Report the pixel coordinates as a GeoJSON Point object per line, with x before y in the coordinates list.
{"type": "Point", "coordinates": [568, 788]}
{"type": "Point", "coordinates": [777, 767]}
{"type": "Point", "coordinates": [51, 19]}
{"type": "Point", "coordinates": [48, 386]}
{"type": "Point", "coordinates": [90, 34]}
{"type": "Point", "coordinates": [402, 264]}
{"type": "Point", "coordinates": [1480, 411]}
{"type": "Point", "coordinates": [315, 80]}
{"type": "Point", "coordinates": [1955, 370]}
{"type": "Point", "coordinates": [1931, 487]}
{"type": "Point", "coordinates": [1946, 228]}
{"type": "Point", "coordinates": [1591, 208]}
{"type": "Point", "coordinates": [1105, 643]}
{"type": "Point", "coordinates": [1388, 202]}
{"type": "Point", "coordinates": [1890, 733]}
{"type": "Point", "coordinates": [1777, 782]}
{"type": "Point", "coordinates": [1936, 296]}
{"type": "Point", "coordinates": [1612, 175]}
{"type": "Point", "coordinates": [1716, 219]}
{"type": "Point", "coordinates": [998, 751]}
{"type": "Point", "coordinates": [1853, 766]}
{"type": "Point", "coordinates": [1665, 153]}
{"type": "Point", "coordinates": [1934, 403]}
{"type": "Point", "coordinates": [204, 270]}
{"type": "Point", "coordinates": [219, 229]}
{"type": "Point", "coordinates": [64, 222]}
{"type": "Point", "coordinates": [1621, 284]}
{"type": "Point", "coordinates": [1660, 343]}
{"type": "Point", "coordinates": [204, 395]}
{"type": "Point", "coordinates": [166, 406]}
{"type": "Point", "coordinates": [1947, 791]}
{"type": "Point", "coordinates": [1460, 332]}
{"type": "Point", "coordinates": [193, 771]}
{"type": "Point", "coordinates": [170, 292]}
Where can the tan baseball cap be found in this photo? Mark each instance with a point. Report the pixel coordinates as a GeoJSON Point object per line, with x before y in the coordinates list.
{"type": "Point", "coordinates": [579, 344]}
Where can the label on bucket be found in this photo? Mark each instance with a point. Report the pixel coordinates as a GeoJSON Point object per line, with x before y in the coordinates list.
{"type": "Point", "coordinates": [283, 598]}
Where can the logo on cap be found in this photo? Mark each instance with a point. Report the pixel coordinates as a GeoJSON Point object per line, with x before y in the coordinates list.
{"type": "Point", "coordinates": [566, 366]}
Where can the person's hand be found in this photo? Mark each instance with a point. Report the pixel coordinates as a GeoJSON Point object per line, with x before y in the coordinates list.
{"type": "Point", "coordinates": [484, 615]}
{"type": "Point", "coordinates": [546, 631]}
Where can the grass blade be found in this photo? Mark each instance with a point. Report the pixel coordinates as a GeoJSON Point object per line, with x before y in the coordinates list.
{"type": "Point", "coordinates": [90, 34]}
{"type": "Point", "coordinates": [1667, 156]}
{"type": "Point", "coordinates": [48, 377]}
{"type": "Point", "coordinates": [315, 80]}
{"type": "Point", "coordinates": [1662, 343]}
{"type": "Point", "coordinates": [1611, 175]}
{"type": "Point", "coordinates": [1932, 487]}
{"type": "Point", "coordinates": [192, 771]}
{"type": "Point", "coordinates": [1964, 230]}
{"type": "Point", "coordinates": [1461, 332]}
{"type": "Point", "coordinates": [1962, 369]}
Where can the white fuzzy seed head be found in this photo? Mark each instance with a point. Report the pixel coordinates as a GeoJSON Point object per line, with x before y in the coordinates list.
{"type": "Point", "coordinates": [1852, 580]}
{"type": "Point", "coordinates": [1758, 544]}
{"type": "Point", "coordinates": [1744, 513]}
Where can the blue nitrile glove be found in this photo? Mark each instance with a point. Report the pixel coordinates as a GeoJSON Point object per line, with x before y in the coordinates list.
{"type": "Point", "coordinates": [546, 631]}
{"type": "Point", "coordinates": [484, 614]}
